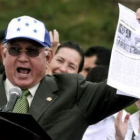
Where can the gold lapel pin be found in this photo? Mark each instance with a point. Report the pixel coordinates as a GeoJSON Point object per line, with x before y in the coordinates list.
{"type": "Point", "coordinates": [49, 98]}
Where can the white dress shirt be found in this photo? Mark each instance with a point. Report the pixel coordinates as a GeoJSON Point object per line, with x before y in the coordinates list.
{"type": "Point", "coordinates": [8, 85]}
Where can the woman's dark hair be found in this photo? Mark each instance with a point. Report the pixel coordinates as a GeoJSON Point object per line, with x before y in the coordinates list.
{"type": "Point", "coordinates": [75, 46]}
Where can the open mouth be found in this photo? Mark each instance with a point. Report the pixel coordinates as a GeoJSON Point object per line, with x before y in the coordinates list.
{"type": "Point", "coordinates": [23, 70]}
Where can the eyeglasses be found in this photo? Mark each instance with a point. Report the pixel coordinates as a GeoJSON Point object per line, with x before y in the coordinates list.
{"type": "Point", "coordinates": [31, 52]}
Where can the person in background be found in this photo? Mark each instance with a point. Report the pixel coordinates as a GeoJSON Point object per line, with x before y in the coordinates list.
{"type": "Point", "coordinates": [95, 55]}
{"type": "Point", "coordinates": [98, 74]}
{"type": "Point", "coordinates": [105, 129]}
{"type": "Point", "coordinates": [68, 58]}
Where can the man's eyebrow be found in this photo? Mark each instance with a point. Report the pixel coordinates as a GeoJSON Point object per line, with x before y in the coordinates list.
{"type": "Point", "coordinates": [32, 46]}
{"type": "Point", "coordinates": [13, 43]}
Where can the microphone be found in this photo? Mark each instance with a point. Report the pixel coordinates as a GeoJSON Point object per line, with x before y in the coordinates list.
{"type": "Point", "coordinates": [14, 94]}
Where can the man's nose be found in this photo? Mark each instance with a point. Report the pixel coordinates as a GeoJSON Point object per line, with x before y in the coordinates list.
{"type": "Point", "coordinates": [23, 56]}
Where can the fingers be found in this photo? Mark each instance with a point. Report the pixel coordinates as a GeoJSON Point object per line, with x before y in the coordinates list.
{"type": "Point", "coordinates": [51, 35]}
{"type": "Point", "coordinates": [55, 35]}
{"type": "Point", "coordinates": [119, 116]}
{"type": "Point", "coordinates": [138, 14]}
{"type": "Point", "coordinates": [139, 129]}
{"type": "Point", "coordinates": [118, 120]}
{"type": "Point", "coordinates": [126, 119]}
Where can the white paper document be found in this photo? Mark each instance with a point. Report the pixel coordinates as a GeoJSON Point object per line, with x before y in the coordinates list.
{"type": "Point", "coordinates": [124, 71]}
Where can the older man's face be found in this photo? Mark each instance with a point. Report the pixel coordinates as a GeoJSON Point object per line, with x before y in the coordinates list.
{"type": "Point", "coordinates": [24, 70]}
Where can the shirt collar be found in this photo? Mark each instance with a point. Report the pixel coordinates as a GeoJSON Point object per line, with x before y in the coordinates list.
{"type": "Point", "coordinates": [8, 85]}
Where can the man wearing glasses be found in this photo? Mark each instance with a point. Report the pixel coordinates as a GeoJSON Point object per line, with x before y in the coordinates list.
{"type": "Point", "coordinates": [63, 104]}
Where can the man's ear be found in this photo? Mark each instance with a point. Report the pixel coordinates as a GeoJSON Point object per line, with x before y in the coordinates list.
{"type": "Point", "coordinates": [3, 54]}
{"type": "Point", "coordinates": [49, 55]}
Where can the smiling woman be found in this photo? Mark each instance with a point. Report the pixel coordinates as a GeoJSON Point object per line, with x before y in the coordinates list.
{"type": "Point", "coordinates": [68, 58]}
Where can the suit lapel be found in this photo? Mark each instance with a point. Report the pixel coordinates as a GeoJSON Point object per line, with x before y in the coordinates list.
{"type": "Point", "coordinates": [44, 97]}
{"type": "Point", "coordinates": [3, 98]}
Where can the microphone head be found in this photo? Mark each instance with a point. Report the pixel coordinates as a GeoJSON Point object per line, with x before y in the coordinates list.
{"type": "Point", "coordinates": [15, 90]}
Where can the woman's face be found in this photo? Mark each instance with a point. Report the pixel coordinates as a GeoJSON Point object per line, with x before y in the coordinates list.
{"type": "Point", "coordinates": [65, 61]}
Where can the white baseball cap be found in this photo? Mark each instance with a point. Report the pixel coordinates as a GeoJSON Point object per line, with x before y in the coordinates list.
{"type": "Point", "coordinates": [29, 28]}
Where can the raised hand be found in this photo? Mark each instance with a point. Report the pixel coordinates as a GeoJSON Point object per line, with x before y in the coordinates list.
{"type": "Point", "coordinates": [54, 37]}
{"type": "Point", "coordinates": [121, 126]}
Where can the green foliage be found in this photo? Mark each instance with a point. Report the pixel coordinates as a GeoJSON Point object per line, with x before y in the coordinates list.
{"type": "Point", "coordinates": [89, 22]}
{"type": "Point", "coordinates": [132, 109]}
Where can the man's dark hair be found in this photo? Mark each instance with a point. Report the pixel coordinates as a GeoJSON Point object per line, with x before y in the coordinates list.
{"type": "Point", "coordinates": [103, 54]}
{"type": "Point", "coordinates": [75, 46]}
{"type": "Point", "coordinates": [98, 74]}
{"type": "Point", "coordinates": [2, 35]}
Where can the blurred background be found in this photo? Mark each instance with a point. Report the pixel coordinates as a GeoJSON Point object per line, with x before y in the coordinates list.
{"type": "Point", "coordinates": [89, 22]}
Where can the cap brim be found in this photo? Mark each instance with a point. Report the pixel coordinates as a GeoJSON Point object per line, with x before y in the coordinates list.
{"type": "Point", "coordinates": [42, 43]}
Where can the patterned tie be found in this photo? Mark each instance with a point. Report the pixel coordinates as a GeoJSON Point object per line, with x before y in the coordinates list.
{"type": "Point", "coordinates": [22, 105]}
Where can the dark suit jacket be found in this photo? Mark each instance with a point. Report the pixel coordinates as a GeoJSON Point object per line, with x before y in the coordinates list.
{"type": "Point", "coordinates": [75, 104]}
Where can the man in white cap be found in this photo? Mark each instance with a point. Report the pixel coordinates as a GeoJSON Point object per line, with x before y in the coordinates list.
{"type": "Point", "coordinates": [63, 104]}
